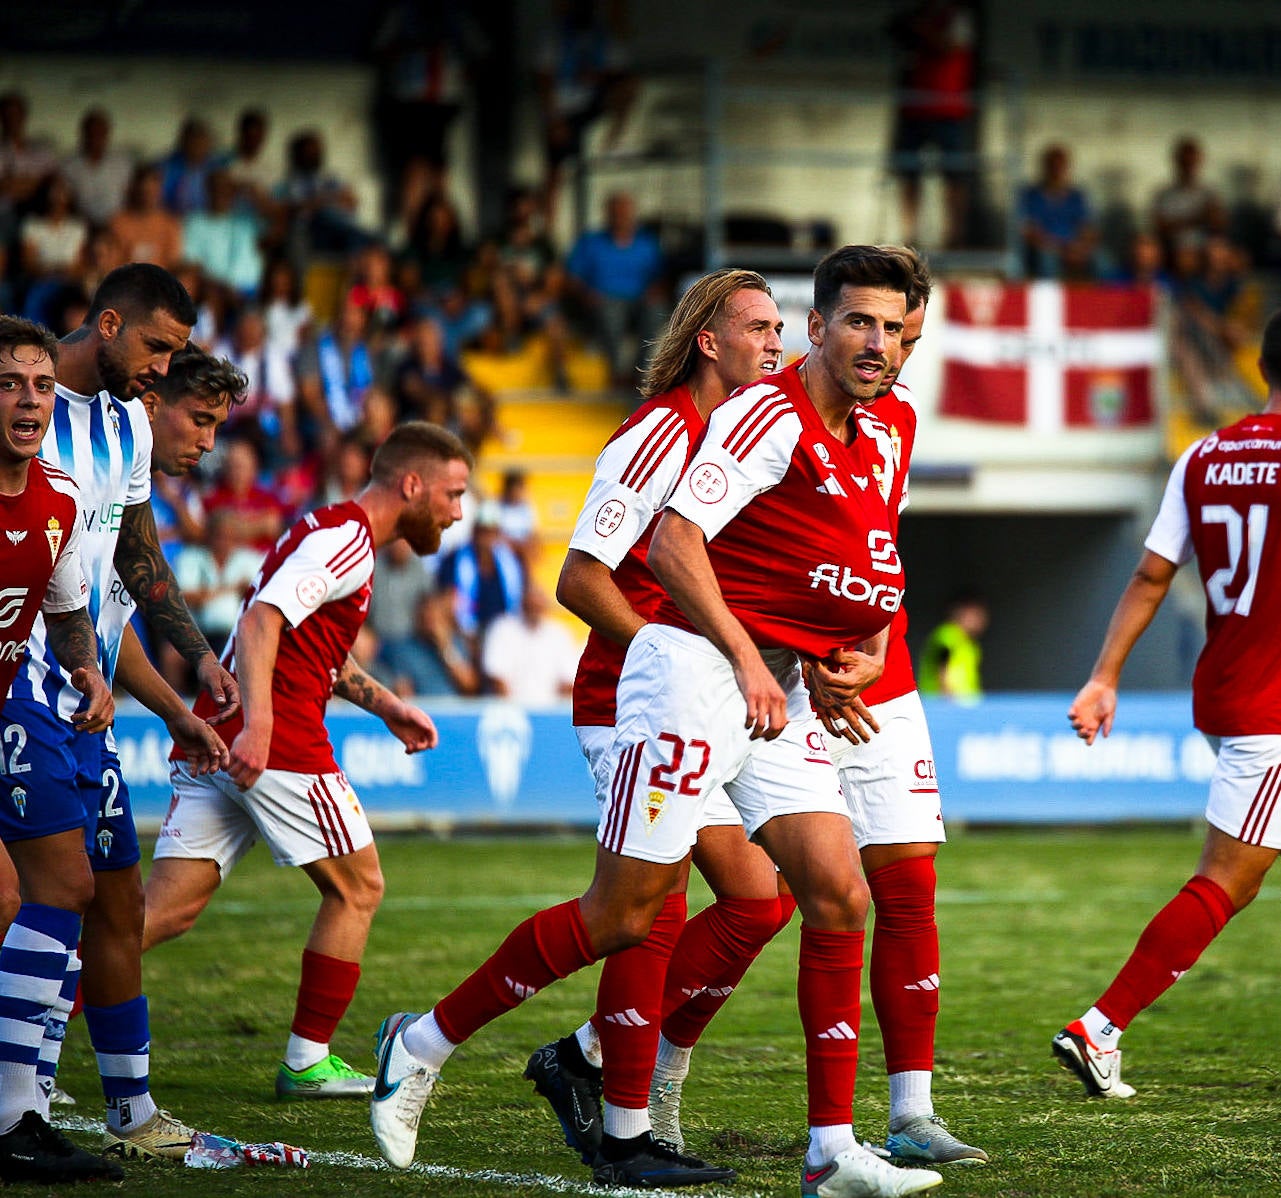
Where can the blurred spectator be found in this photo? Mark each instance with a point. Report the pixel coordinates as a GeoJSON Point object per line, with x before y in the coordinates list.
{"type": "Point", "coordinates": [401, 585]}
{"type": "Point", "coordinates": [545, 314]}
{"type": "Point", "coordinates": [517, 519]}
{"type": "Point", "coordinates": [98, 175]}
{"type": "Point", "coordinates": [184, 172]}
{"type": "Point", "coordinates": [215, 576]}
{"type": "Point", "coordinates": [24, 163]}
{"type": "Point", "coordinates": [462, 319]}
{"type": "Point", "coordinates": [334, 371]}
{"type": "Point", "coordinates": [267, 416]}
{"type": "Point", "coordinates": [213, 302]}
{"type": "Point", "coordinates": [319, 207]}
{"type": "Point", "coordinates": [103, 252]}
{"type": "Point", "coordinates": [1144, 263]}
{"type": "Point", "coordinates": [146, 230]}
{"type": "Point", "coordinates": [179, 509]}
{"type": "Point", "coordinates": [525, 247]}
{"type": "Point", "coordinates": [528, 656]}
{"type": "Point", "coordinates": [1186, 204]}
{"type": "Point", "coordinates": [951, 658]}
{"type": "Point", "coordinates": [935, 109]}
{"type": "Point", "coordinates": [445, 666]}
{"type": "Point", "coordinates": [373, 291]}
{"type": "Point", "coordinates": [53, 234]}
{"type": "Point", "coordinates": [247, 165]}
{"type": "Point", "coordinates": [224, 238]}
{"type": "Point", "coordinates": [582, 75]}
{"type": "Point", "coordinates": [484, 578]}
{"type": "Point", "coordinates": [258, 511]}
{"type": "Point", "coordinates": [617, 272]}
{"type": "Point", "coordinates": [377, 418]}
{"type": "Point", "coordinates": [1057, 226]}
{"type": "Point", "coordinates": [427, 380]}
{"type": "Point", "coordinates": [435, 243]}
{"type": "Point", "coordinates": [286, 313]}
{"type": "Point", "coordinates": [345, 473]}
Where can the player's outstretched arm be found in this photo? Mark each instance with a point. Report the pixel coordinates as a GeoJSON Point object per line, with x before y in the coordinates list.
{"type": "Point", "coordinates": [147, 577]}
{"type": "Point", "coordinates": [413, 728]}
{"type": "Point", "coordinates": [72, 639]}
{"type": "Point", "coordinates": [1094, 707]}
{"type": "Point", "coordinates": [586, 587]}
{"type": "Point", "coordinates": [203, 746]}
{"type": "Point", "coordinates": [257, 643]}
{"type": "Point", "coordinates": [678, 557]}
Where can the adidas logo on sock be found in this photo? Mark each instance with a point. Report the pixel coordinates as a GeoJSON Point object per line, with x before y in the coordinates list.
{"type": "Point", "coordinates": [629, 1018]}
{"type": "Point", "coordinates": [929, 983]}
{"type": "Point", "coordinates": [520, 989]}
{"type": "Point", "coordinates": [712, 991]}
{"type": "Point", "coordinates": [839, 1031]}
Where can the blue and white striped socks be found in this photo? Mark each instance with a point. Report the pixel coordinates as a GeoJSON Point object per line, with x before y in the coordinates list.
{"type": "Point", "coordinates": [121, 1037]}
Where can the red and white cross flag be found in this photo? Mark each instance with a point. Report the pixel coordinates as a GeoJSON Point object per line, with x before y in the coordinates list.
{"type": "Point", "coordinates": [1050, 355]}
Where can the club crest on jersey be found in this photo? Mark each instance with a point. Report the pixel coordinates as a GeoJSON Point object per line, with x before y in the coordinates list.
{"type": "Point", "coordinates": [311, 591]}
{"type": "Point", "coordinates": [18, 797]}
{"type": "Point", "coordinates": [16, 538]}
{"type": "Point", "coordinates": [708, 483]}
{"type": "Point", "coordinates": [896, 444]}
{"type": "Point", "coordinates": [610, 517]}
{"type": "Point", "coordinates": [53, 534]}
{"type": "Point", "coordinates": [653, 808]}
{"type": "Point", "coordinates": [11, 602]}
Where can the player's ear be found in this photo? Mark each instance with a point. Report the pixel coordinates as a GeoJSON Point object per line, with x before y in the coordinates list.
{"type": "Point", "coordinates": [150, 401]}
{"type": "Point", "coordinates": [110, 323]}
{"type": "Point", "coordinates": [706, 342]}
{"type": "Point", "coordinates": [817, 327]}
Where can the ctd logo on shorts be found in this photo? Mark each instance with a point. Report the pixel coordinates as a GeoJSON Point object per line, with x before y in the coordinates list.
{"type": "Point", "coordinates": [610, 517]}
{"type": "Point", "coordinates": [12, 600]}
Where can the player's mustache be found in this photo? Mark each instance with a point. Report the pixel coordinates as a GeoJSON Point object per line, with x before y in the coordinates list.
{"type": "Point", "coordinates": [876, 359]}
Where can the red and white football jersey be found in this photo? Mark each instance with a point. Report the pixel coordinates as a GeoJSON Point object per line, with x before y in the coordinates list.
{"type": "Point", "coordinates": [635, 475]}
{"type": "Point", "coordinates": [797, 530]}
{"type": "Point", "coordinates": [1223, 503]}
{"type": "Point", "coordinates": [39, 559]}
{"type": "Point", "coordinates": [319, 575]}
{"type": "Point", "coordinates": [897, 412]}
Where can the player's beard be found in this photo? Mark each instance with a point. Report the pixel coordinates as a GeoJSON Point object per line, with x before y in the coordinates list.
{"type": "Point", "coordinates": [422, 533]}
{"type": "Point", "coordinates": [115, 378]}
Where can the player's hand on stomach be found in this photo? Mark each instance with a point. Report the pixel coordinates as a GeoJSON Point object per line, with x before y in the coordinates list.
{"type": "Point", "coordinates": [249, 753]}
{"type": "Point", "coordinates": [1092, 710]}
{"type": "Point", "coordinates": [766, 702]}
{"type": "Point", "coordinates": [204, 748]}
{"type": "Point", "coordinates": [413, 728]}
{"type": "Point", "coordinates": [222, 688]}
{"type": "Point", "coordinates": [835, 700]}
{"type": "Point", "coordinates": [99, 708]}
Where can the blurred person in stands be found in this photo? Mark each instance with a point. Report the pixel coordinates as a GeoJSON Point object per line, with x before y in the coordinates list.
{"type": "Point", "coordinates": [434, 240]}
{"type": "Point", "coordinates": [1056, 221]}
{"type": "Point", "coordinates": [484, 577]}
{"type": "Point", "coordinates": [319, 208]}
{"type": "Point", "coordinates": [343, 473]}
{"type": "Point", "coordinates": [617, 274]}
{"type": "Point", "coordinates": [1186, 204]}
{"type": "Point", "coordinates": [524, 245]}
{"type": "Point", "coordinates": [98, 174]}
{"type": "Point", "coordinates": [529, 656]}
{"type": "Point", "coordinates": [223, 239]}
{"type": "Point", "coordinates": [53, 233]}
{"type": "Point", "coordinates": [334, 370]}
{"type": "Point", "coordinates": [401, 584]}
{"type": "Point", "coordinates": [285, 310]}
{"type": "Point", "coordinates": [24, 161]}
{"type": "Point", "coordinates": [146, 230]}
{"type": "Point", "coordinates": [427, 380]}
{"type": "Point", "coordinates": [251, 173]}
{"type": "Point", "coordinates": [184, 172]}
{"type": "Point", "coordinates": [373, 290]}
{"type": "Point", "coordinates": [258, 510]}
{"type": "Point", "coordinates": [951, 658]}
{"type": "Point", "coordinates": [269, 415]}
{"type": "Point", "coordinates": [935, 109]}
{"type": "Point", "coordinates": [517, 516]}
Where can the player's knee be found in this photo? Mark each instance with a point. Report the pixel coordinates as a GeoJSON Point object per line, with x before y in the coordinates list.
{"type": "Point", "coordinates": [835, 904]}
{"type": "Point", "coordinates": [10, 901]}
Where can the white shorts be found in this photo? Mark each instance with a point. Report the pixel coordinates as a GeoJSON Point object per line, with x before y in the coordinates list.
{"type": "Point", "coordinates": [301, 817]}
{"type": "Point", "coordinates": [594, 741]}
{"type": "Point", "coordinates": [680, 735]}
{"type": "Point", "coordinates": [1244, 789]}
{"type": "Point", "coordinates": [890, 783]}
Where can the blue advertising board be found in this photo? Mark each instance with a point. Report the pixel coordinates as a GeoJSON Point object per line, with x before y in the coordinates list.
{"type": "Point", "coordinates": [1006, 759]}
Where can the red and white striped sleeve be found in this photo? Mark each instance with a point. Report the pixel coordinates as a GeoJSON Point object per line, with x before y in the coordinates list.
{"type": "Point", "coordinates": [328, 564]}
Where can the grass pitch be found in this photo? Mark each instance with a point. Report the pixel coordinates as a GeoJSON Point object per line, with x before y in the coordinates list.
{"type": "Point", "coordinates": [1034, 925]}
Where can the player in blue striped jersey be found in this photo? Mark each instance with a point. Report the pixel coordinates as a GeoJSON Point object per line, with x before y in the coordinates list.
{"type": "Point", "coordinates": [78, 847]}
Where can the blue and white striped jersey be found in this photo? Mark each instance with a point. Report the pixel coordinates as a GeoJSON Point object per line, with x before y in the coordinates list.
{"type": "Point", "coordinates": [105, 445]}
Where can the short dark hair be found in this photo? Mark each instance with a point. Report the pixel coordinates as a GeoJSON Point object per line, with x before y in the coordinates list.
{"type": "Point", "coordinates": [411, 440]}
{"type": "Point", "coordinates": [860, 266]}
{"type": "Point", "coordinates": [1270, 350]}
{"type": "Point", "coordinates": [15, 331]}
{"type": "Point", "coordinates": [193, 371]}
{"type": "Point", "coordinates": [922, 279]}
{"type": "Point", "coordinates": [138, 289]}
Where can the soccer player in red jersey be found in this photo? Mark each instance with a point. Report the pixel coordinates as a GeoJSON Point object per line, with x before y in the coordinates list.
{"type": "Point", "coordinates": [1220, 505]}
{"type": "Point", "coordinates": [774, 547]}
{"type": "Point", "coordinates": [724, 333]}
{"type": "Point", "coordinates": [290, 651]}
{"type": "Point", "coordinates": [40, 560]}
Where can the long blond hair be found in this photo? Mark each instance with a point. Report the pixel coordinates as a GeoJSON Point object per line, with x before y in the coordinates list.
{"type": "Point", "coordinates": [676, 351]}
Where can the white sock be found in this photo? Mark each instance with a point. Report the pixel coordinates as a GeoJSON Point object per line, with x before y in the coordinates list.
{"type": "Point", "coordinates": [623, 1123]}
{"type": "Point", "coordinates": [301, 1053]}
{"type": "Point", "coordinates": [828, 1142]}
{"type": "Point", "coordinates": [1102, 1031]}
{"type": "Point", "coordinates": [672, 1062]}
{"type": "Point", "coordinates": [424, 1040]}
{"type": "Point", "coordinates": [134, 1111]}
{"type": "Point", "coordinates": [910, 1096]}
{"type": "Point", "coordinates": [589, 1041]}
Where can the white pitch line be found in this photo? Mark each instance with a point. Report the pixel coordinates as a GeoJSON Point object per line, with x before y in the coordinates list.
{"type": "Point", "coordinates": [373, 1164]}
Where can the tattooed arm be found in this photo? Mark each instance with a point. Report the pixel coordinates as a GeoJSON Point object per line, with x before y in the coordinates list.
{"type": "Point", "coordinates": [413, 728]}
{"type": "Point", "coordinates": [148, 578]}
{"type": "Point", "coordinates": [74, 644]}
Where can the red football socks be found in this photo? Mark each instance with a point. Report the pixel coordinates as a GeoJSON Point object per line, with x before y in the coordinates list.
{"type": "Point", "coordinates": [904, 972]}
{"type": "Point", "coordinates": [547, 946]}
{"type": "Point", "coordinates": [324, 993]}
{"type": "Point", "coordinates": [827, 993]}
{"type": "Point", "coordinates": [715, 950]}
{"type": "Point", "coordinates": [629, 1007]}
{"type": "Point", "coordinates": [1168, 948]}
